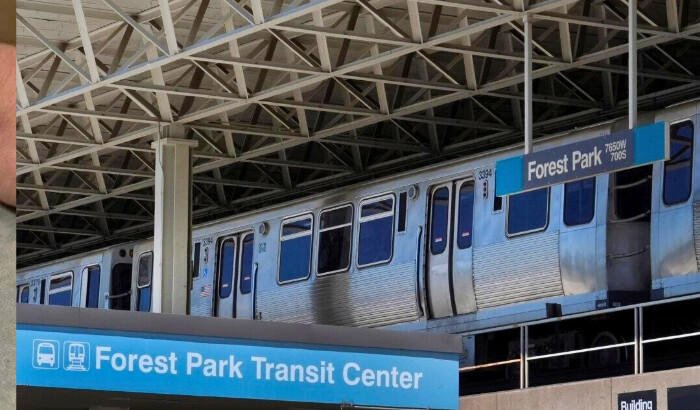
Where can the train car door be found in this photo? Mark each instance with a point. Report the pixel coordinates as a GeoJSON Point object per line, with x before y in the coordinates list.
{"type": "Point", "coordinates": [235, 276]}
{"type": "Point", "coordinates": [628, 236]}
{"type": "Point", "coordinates": [120, 287]}
{"type": "Point", "coordinates": [90, 287]}
{"type": "Point", "coordinates": [462, 273]}
{"type": "Point", "coordinates": [144, 279]}
{"type": "Point", "coordinates": [224, 297]}
{"type": "Point", "coordinates": [451, 215]}
{"type": "Point", "coordinates": [247, 270]}
{"type": "Point", "coordinates": [440, 296]}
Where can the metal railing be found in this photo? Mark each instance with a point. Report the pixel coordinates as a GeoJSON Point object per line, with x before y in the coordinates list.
{"type": "Point", "coordinates": [526, 357]}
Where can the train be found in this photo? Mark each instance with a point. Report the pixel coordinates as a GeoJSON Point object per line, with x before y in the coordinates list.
{"type": "Point", "coordinates": [431, 249]}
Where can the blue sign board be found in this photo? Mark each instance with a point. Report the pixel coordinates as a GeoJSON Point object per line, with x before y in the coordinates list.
{"type": "Point", "coordinates": [75, 358]}
{"type": "Point", "coordinates": [583, 159]}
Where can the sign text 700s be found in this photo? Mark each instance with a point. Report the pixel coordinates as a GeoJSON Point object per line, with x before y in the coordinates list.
{"type": "Point", "coordinates": [615, 151]}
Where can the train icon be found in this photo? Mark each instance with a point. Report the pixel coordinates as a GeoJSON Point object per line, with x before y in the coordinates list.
{"type": "Point", "coordinates": [76, 356]}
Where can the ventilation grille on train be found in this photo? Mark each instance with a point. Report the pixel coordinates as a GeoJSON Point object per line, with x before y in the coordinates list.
{"type": "Point", "coordinates": [517, 270]}
{"type": "Point", "coordinates": [696, 231]}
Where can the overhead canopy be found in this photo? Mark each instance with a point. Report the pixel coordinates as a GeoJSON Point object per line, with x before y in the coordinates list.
{"type": "Point", "coordinates": [291, 97]}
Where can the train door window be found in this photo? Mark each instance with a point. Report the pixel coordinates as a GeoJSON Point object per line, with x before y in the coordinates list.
{"type": "Point", "coordinates": [42, 292]}
{"type": "Point", "coordinates": [23, 294]}
{"type": "Point", "coordinates": [61, 289]}
{"type": "Point", "coordinates": [527, 212]}
{"type": "Point", "coordinates": [246, 276]}
{"type": "Point", "coordinates": [678, 170]}
{"type": "Point", "coordinates": [633, 193]}
{"type": "Point", "coordinates": [579, 201]}
{"type": "Point", "coordinates": [91, 286]}
{"type": "Point", "coordinates": [227, 263]}
{"type": "Point", "coordinates": [466, 215]}
{"type": "Point", "coordinates": [376, 231]}
{"type": "Point", "coordinates": [195, 260]}
{"type": "Point", "coordinates": [440, 207]}
{"type": "Point", "coordinates": [335, 240]}
{"type": "Point", "coordinates": [120, 287]}
{"type": "Point", "coordinates": [403, 199]}
{"type": "Point", "coordinates": [143, 282]}
{"type": "Point", "coordinates": [295, 249]}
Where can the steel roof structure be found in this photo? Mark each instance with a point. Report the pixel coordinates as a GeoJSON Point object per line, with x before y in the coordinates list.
{"type": "Point", "coordinates": [290, 97]}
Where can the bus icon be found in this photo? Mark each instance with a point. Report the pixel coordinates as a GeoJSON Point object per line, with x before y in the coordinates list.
{"type": "Point", "coordinates": [76, 356]}
{"type": "Point", "coordinates": [45, 354]}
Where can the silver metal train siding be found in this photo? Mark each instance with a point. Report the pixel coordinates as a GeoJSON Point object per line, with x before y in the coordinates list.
{"type": "Point", "coordinates": [434, 249]}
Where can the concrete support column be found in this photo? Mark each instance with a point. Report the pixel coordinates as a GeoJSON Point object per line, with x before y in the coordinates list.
{"type": "Point", "coordinates": [173, 222]}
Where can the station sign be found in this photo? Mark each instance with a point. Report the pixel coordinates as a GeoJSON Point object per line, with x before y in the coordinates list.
{"type": "Point", "coordinates": [75, 358]}
{"type": "Point", "coordinates": [609, 153]}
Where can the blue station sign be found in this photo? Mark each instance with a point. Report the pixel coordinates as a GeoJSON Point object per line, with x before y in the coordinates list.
{"type": "Point", "coordinates": [583, 159]}
{"type": "Point", "coordinates": [76, 358]}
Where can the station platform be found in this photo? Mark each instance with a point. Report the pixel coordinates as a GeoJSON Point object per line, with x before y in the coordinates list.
{"type": "Point", "coordinates": [677, 389]}
{"type": "Point", "coordinates": [94, 358]}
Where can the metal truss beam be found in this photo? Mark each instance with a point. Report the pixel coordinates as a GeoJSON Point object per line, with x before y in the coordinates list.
{"type": "Point", "coordinates": [266, 150]}
{"type": "Point", "coordinates": [291, 97]}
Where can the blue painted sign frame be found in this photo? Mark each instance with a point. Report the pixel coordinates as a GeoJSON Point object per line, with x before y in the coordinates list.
{"type": "Point", "coordinates": [76, 358]}
{"type": "Point", "coordinates": [609, 153]}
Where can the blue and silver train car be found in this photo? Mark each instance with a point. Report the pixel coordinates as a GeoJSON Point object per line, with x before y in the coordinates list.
{"type": "Point", "coordinates": [86, 280]}
{"type": "Point", "coordinates": [435, 249]}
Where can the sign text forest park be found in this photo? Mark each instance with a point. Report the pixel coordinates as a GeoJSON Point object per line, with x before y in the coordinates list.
{"type": "Point", "coordinates": [583, 159]}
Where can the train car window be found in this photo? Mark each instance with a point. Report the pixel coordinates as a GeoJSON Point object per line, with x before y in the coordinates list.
{"type": "Point", "coordinates": [633, 193]}
{"type": "Point", "coordinates": [92, 298]}
{"type": "Point", "coordinates": [678, 170]}
{"type": "Point", "coordinates": [335, 240]}
{"type": "Point", "coordinates": [295, 249]}
{"type": "Point", "coordinates": [247, 263]}
{"type": "Point", "coordinates": [376, 231]}
{"type": "Point", "coordinates": [440, 207]}
{"type": "Point", "coordinates": [61, 289]}
{"type": "Point", "coordinates": [143, 282]}
{"type": "Point", "coordinates": [402, 212]}
{"type": "Point", "coordinates": [23, 294]}
{"type": "Point", "coordinates": [579, 201]}
{"type": "Point", "coordinates": [527, 212]}
{"type": "Point", "coordinates": [227, 259]}
{"type": "Point", "coordinates": [466, 215]}
{"type": "Point", "coordinates": [195, 264]}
